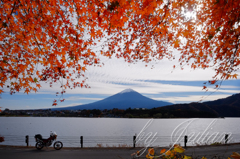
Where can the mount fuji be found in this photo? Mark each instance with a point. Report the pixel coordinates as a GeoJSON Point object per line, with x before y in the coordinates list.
{"type": "Point", "coordinates": [128, 98]}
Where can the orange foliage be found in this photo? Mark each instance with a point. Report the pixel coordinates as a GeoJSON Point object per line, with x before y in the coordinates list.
{"type": "Point", "coordinates": [49, 40]}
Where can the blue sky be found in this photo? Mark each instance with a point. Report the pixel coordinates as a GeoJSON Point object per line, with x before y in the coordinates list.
{"type": "Point", "coordinates": [158, 81]}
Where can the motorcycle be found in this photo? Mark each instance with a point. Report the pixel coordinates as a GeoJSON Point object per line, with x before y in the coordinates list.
{"type": "Point", "coordinates": [40, 142]}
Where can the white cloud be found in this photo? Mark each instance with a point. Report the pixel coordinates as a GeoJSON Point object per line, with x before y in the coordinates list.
{"type": "Point", "coordinates": [118, 70]}
{"type": "Point", "coordinates": [192, 98]}
{"type": "Point", "coordinates": [109, 86]}
{"type": "Point", "coordinates": [230, 87]}
{"type": "Point", "coordinates": [81, 98]}
{"type": "Point", "coordinates": [117, 75]}
{"type": "Point", "coordinates": [69, 105]}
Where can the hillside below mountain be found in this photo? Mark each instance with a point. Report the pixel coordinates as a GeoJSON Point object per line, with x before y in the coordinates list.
{"type": "Point", "coordinates": [226, 107]}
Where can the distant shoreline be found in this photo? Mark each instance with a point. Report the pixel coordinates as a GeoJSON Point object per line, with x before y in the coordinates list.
{"type": "Point", "coordinates": [116, 117]}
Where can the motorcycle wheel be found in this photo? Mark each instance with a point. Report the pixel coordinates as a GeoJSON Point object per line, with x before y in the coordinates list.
{"type": "Point", "coordinates": [39, 145]}
{"type": "Point", "coordinates": [58, 145]}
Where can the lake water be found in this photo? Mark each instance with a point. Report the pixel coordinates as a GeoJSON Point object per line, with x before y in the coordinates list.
{"type": "Point", "coordinates": [119, 131]}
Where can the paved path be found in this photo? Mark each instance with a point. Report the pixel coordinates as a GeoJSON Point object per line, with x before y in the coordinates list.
{"type": "Point", "coordinates": [32, 153]}
{"type": "Point", "coordinates": [94, 153]}
{"type": "Point", "coordinates": [210, 151]}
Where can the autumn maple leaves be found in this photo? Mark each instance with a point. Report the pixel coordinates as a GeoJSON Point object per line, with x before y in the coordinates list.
{"type": "Point", "coordinates": [53, 40]}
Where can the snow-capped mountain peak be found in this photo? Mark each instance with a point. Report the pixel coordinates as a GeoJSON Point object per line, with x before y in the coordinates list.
{"type": "Point", "coordinates": [127, 91]}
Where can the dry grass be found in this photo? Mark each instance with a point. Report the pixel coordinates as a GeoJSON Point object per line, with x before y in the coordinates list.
{"type": "Point", "coordinates": [99, 145]}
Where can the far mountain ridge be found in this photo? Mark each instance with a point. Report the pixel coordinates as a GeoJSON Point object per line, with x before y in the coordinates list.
{"type": "Point", "coordinates": [128, 98]}
{"type": "Point", "coordinates": [226, 107]}
{"type": "Point", "coordinates": [125, 99]}
{"type": "Point", "coordinates": [233, 100]}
